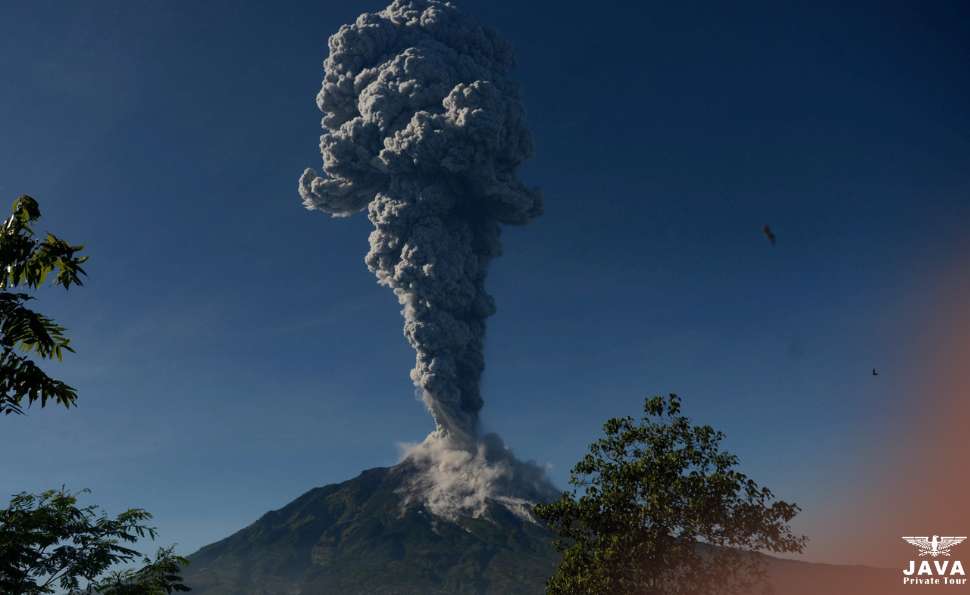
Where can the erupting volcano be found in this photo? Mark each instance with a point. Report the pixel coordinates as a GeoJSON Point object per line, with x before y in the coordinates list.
{"type": "Point", "coordinates": [425, 130]}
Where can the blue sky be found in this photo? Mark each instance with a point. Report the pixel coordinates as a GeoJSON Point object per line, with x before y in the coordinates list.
{"type": "Point", "coordinates": [233, 350]}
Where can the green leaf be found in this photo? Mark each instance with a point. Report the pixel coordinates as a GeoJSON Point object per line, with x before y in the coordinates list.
{"type": "Point", "coordinates": [28, 262]}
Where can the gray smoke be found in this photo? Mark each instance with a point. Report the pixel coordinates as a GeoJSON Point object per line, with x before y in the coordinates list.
{"type": "Point", "coordinates": [425, 130]}
{"type": "Point", "coordinates": [453, 481]}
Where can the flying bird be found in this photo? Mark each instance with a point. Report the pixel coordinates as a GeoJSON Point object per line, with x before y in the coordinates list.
{"type": "Point", "coordinates": [768, 234]}
{"type": "Point", "coordinates": [874, 372]}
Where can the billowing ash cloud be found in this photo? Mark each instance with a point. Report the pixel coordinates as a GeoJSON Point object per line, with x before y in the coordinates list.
{"type": "Point", "coordinates": [425, 130]}
{"type": "Point", "coordinates": [453, 480]}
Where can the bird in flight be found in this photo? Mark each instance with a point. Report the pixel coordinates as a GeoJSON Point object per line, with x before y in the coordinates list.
{"type": "Point", "coordinates": [874, 372]}
{"type": "Point", "coordinates": [768, 234]}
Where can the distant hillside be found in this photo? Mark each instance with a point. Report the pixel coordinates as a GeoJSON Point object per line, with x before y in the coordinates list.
{"type": "Point", "coordinates": [790, 577]}
{"type": "Point", "coordinates": [352, 538]}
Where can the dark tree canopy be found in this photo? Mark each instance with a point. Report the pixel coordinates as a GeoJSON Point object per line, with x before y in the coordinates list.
{"type": "Point", "coordinates": [663, 510]}
{"type": "Point", "coordinates": [47, 542]}
{"type": "Point", "coordinates": [26, 262]}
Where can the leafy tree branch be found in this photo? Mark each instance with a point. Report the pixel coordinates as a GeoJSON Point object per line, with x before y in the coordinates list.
{"type": "Point", "coordinates": [28, 262]}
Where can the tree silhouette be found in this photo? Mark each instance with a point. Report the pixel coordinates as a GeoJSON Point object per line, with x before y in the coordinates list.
{"type": "Point", "coordinates": [48, 542]}
{"type": "Point", "coordinates": [664, 511]}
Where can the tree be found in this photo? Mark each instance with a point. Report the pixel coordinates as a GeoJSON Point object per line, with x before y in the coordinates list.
{"type": "Point", "coordinates": [161, 575]}
{"type": "Point", "coordinates": [664, 511]}
{"type": "Point", "coordinates": [46, 541]}
{"type": "Point", "coordinates": [27, 262]}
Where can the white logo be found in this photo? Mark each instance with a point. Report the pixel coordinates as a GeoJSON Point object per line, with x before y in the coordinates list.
{"type": "Point", "coordinates": [940, 572]}
{"type": "Point", "coordinates": [937, 546]}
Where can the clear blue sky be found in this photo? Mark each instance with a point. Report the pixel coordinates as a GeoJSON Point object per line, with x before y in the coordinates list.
{"type": "Point", "coordinates": [233, 350]}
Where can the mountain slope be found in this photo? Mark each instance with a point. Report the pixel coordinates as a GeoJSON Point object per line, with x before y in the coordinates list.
{"type": "Point", "coordinates": [355, 538]}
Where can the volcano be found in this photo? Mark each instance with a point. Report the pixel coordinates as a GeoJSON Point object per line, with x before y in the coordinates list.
{"type": "Point", "coordinates": [363, 536]}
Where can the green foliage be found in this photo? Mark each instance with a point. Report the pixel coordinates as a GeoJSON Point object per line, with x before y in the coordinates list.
{"type": "Point", "coordinates": [663, 510]}
{"type": "Point", "coordinates": [159, 576]}
{"type": "Point", "coordinates": [28, 262]}
{"type": "Point", "coordinates": [48, 542]}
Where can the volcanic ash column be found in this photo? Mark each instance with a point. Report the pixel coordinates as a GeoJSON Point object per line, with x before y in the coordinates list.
{"type": "Point", "coordinates": [424, 129]}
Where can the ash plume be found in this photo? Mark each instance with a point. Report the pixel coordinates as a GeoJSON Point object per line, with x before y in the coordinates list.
{"type": "Point", "coordinates": [425, 130]}
{"type": "Point", "coordinates": [453, 480]}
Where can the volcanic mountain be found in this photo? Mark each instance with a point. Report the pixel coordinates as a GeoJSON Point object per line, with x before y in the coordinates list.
{"type": "Point", "coordinates": [363, 537]}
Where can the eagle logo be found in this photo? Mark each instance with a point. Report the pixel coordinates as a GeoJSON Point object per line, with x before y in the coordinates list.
{"type": "Point", "coordinates": [935, 546]}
